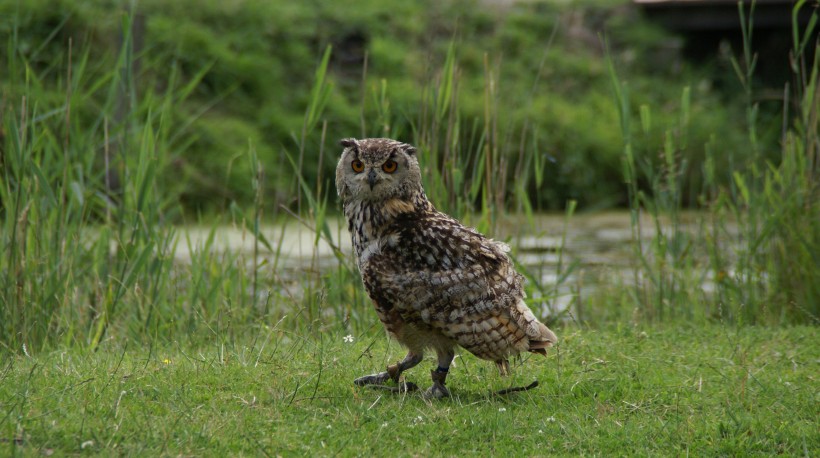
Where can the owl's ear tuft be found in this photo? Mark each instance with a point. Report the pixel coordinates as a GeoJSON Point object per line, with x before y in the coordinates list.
{"type": "Point", "coordinates": [409, 149]}
{"type": "Point", "coordinates": [349, 143]}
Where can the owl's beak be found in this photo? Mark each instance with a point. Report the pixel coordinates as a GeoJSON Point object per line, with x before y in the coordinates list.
{"type": "Point", "coordinates": [372, 178]}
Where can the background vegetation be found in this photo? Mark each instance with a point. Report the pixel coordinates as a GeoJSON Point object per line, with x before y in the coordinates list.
{"type": "Point", "coordinates": [241, 72]}
{"type": "Point", "coordinates": [117, 126]}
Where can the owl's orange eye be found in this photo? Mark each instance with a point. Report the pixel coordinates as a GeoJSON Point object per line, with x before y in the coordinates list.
{"type": "Point", "coordinates": [358, 166]}
{"type": "Point", "coordinates": [390, 166]}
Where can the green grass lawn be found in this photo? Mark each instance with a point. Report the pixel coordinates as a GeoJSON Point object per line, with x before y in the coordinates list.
{"type": "Point", "coordinates": [701, 391]}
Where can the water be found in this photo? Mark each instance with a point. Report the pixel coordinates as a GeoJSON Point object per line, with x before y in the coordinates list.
{"type": "Point", "coordinates": [592, 239]}
{"type": "Point", "coordinates": [597, 247]}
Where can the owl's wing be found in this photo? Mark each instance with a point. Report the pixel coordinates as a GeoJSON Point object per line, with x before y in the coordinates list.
{"type": "Point", "coordinates": [435, 270]}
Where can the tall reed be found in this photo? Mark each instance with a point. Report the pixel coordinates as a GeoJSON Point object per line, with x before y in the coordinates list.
{"type": "Point", "coordinates": [89, 253]}
{"type": "Point", "coordinates": [749, 256]}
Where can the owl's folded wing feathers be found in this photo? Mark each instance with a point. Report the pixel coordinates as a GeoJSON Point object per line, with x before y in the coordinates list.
{"type": "Point", "coordinates": [451, 271]}
{"type": "Point", "coordinates": [437, 273]}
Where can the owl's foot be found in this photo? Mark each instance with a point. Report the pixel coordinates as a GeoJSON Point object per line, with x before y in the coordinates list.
{"type": "Point", "coordinates": [376, 381]}
{"type": "Point", "coordinates": [438, 390]}
{"type": "Point", "coordinates": [392, 373]}
{"type": "Point", "coordinates": [372, 379]}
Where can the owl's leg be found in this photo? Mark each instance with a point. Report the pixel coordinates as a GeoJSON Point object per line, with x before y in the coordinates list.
{"type": "Point", "coordinates": [439, 375]}
{"type": "Point", "coordinates": [503, 367]}
{"type": "Point", "coordinates": [409, 361]}
{"type": "Point", "coordinates": [393, 371]}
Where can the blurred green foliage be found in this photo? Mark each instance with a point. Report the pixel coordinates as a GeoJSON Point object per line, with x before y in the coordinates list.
{"type": "Point", "coordinates": [251, 64]}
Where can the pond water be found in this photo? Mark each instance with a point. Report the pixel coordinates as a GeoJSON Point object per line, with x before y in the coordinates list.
{"type": "Point", "coordinates": [597, 246]}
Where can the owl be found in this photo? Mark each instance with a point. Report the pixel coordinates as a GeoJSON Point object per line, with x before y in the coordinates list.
{"type": "Point", "coordinates": [435, 283]}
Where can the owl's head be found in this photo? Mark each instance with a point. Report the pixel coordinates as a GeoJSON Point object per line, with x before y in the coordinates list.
{"type": "Point", "coordinates": [375, 169]}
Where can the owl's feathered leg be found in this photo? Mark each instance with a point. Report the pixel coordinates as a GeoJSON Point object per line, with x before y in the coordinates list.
{"type": "Point", "coordinates": [393, 371]}
{"type": "Point", "coordinates": [439, 375]}
{"type": "Point", "coordinates": [503, 367]}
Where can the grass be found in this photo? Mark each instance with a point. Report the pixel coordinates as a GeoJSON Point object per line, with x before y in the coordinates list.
{"type": "Point", "coordinates": [687, 390]}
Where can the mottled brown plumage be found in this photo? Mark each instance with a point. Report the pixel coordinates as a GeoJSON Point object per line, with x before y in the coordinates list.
{"type": "Point", "coordinates": [434, 282]}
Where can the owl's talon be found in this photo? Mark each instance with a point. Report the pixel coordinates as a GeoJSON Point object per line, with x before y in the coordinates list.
{"type": "Point", "coordinates": [437, 391]}
{"type": "Point", "coordinates": [372, 379]}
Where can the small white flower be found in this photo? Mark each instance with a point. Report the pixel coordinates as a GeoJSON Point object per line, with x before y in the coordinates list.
{"type": "Point", "coordinates": [540, 431]}
{"type": "Point", "coordinates": [551, 419]}
{"type": "Point", "coordinates": [329, 427]}
{"type": "Point", "coordinates": [348, 338]}
{"type": "Point", "coordinates": [384, 425]}
{"type": "Point", "coordinates": [502, 409]}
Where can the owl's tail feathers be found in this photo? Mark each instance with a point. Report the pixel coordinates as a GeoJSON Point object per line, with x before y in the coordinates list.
{"type": "Point", "coordinates": [545, 339]}
{"type": "Point", "coordinates": [540, 336]}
